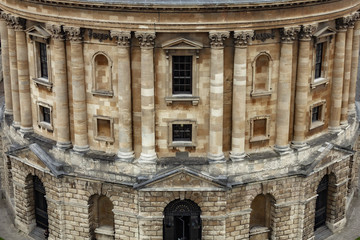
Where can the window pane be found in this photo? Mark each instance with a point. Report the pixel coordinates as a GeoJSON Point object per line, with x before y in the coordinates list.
{"type": "Point", "coordinates": [318, 59]}
{"type": "Point", "coordinates": [182, 132]}
{"type": "Point", "coordinates": [182, 74]}
{"type": "Point", "coordinates": [43, 61]}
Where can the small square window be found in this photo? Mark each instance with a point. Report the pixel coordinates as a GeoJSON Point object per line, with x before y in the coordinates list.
{"type": "Point", "coordinates": [317, 114]}
{"type": "Point", "coordinates": [259, 128]}
{"type": "Point", "coordinates": [44, 115]}
{"type": "Point", "coordinates": [182, 133]}
{"type": "Point", "coordinates": [103, 128]}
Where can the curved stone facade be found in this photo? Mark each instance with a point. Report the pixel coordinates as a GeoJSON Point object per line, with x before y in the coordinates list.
{"type": "Point", "coordinates": [125, 120]}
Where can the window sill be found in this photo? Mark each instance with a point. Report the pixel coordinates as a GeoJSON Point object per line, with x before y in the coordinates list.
{"type": "Point", "coordinates": [318, 82]}
{"type": "Point", "coordinates": [43, 82]}
{"type": "Point", "coordinates": [182, 144]}
{"type": "Point", "coordinates": [259, 138]}
{"type": "Point", "coordinates": [316, 124]}
{"type": "Point", "coordinates": [46, 125]}
{"type": "Point", "coordinates": [102, 93]}
{"type": "Point", "coordinates": [182, 98]}
{"type": "Point", "coordinates": [261, 93]}
{"type": "Point", "coordinates": [104, 139]}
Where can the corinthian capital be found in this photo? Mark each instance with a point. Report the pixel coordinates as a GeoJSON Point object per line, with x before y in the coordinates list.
{"type": "Point", "coordinates": [288, 34]}
{"type": "Point", "coordinates": [9, 19]}
{"type": "Point", "coordinates": [122, 38]}
{"type": "Point", "coordinates": [307, 31]}
{"type": "Point", "coordinates": [217, 39]}
{"type": "Point", "coordinates": [19, 23]}
{"type": "Point", "coordinates": [347, 21]}
{"type": "Point", "coordinates": [74, 34]}
{"type": "Point", "coordinates": [242, 38]}
{"type": "Point", "coordinates": [146, 39]}
{"type": "Point", "coordinates": [56, 31]}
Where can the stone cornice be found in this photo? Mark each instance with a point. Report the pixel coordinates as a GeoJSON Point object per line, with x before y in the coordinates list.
{"type": "Point", "coordinates": [74, 34]}
{"type": "Point", "coordinates": [289, 34]}
{"type": "Point", "coordinates": [146, 39]}
{"type": "Point", "coordinates": [242, 38]}
{"type": "Point", "coordinates": [217, 39]}
{"type": "Point", "coordinates": [56, 31]}
{"type": "Point", "coordinates": [122, 37]}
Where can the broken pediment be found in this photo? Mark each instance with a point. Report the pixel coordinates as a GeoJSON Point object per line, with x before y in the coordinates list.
{"type": "Point", "coordinates": [181, 43]}
{"type": "Point", "coordinates": [325, 32]}
{"type": "Point", "coordinates": [38, 32]}
{"type": "Point", "coordinates": [182, 179]}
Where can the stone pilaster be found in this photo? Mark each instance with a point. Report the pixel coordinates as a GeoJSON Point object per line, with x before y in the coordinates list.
{"type": "Point", "coordinates": [288, 35]}
{"type": "Point", "coordinates": [125, 152]}
{"type": "Point", "coordinates": [216, 95]}
{"type": "Point", "coordinates": [6, 66]}
{"type": "Point", "coordinates": [146, 42]}
{"type": "Point", "coordinates": [239, 95]}
{"type": "Point", "coordinates": [302, 86]}
{"type": "Point", "coordinates": [13, 70]}
{"type": "Point", "coordinates": [23, 75]}
{"type": "Point", "coordinates": [347, 73]}
{"type": "Point", "coordinates": [62, 123]}
{"type": "Point", "coordinates": [338, 74]}
{"type": "Point", "coordinates": [354, 66]}
{"type": "Point", "coordinates": [75, 35]}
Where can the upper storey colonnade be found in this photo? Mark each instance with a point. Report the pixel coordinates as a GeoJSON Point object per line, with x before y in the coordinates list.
{"type": "Point", "coordinates": [52, 55]}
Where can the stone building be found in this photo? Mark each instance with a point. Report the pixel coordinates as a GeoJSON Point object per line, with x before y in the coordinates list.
{"type": "Point", "coordinates": [179, 119]}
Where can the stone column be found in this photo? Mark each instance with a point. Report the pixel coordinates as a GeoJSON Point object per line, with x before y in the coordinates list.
{"type": "Point", "coordinates": [288, 35]}
{"type": "Point", "coordinates": [125, 152]}
{"type": "Point", "coordinates": [347, 74]}
{"type": "Point", "coordinates": [13, 72]}
{"type": "Point", "coordinates": [302, 86]}
{"type": "Point", "coordinates": [75, 35]}
{"type": "Point", "coordinates": [146, 42]}
{"type": "Point", "coordinates": [23, 75]}
{"type": "Point", "coordinates": [354, 66]}
{"type": "Point", "coordinates": [338, 75]}
{"type": "Point", "coordinates": [5, 65]}
{"type": "Point", "coordinates": [216, 95]}
{"type": "Point", "coordinates": [239, 95]}
{"type": "Point", "coordinates": [62, 123]}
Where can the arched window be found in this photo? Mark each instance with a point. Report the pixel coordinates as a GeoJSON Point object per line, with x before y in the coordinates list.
{"type": "Point", "coordinates": [182, 220]}
{"type": "Point", "coordinates": [262, 208]}
{"type": "Point", "coordinates": [101, 217]}
{"type": "Point", "coordinates": [261, 65]}
{"type": "Point", "coordinates": [102, 75]}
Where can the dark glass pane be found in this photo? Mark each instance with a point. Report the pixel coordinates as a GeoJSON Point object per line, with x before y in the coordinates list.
{"type": "Point", "coordinates": [46, 114]}
{"type": "Point", "coordinates": [182, 132]}
{"type": "Point", "coordinates": [318, 59]}
{"type": "Point", "coordinates": [182, 74]}
{"type": "Point", "coordinates": [316, 111]}
{"type": "Point", "coordinates": [43, 60]}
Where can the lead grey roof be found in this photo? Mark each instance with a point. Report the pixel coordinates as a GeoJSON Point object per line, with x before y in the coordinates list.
{"type": "Point", "coordinates": [184, 2]}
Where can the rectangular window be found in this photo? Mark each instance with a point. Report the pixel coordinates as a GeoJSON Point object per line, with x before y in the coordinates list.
{"type": "Point", "coordinates": [46, 115]}
{"type": "Point", "coordinates": [182, 132]}
{"type": "Point", "coordinates": [317, 114]}
{"type": "Point", "coordinates": [182, 74]}
{"type": "Point", "coordinates": [43, 60]}
{"type": "Point", "coordinates": [103, 128]}
{"type": "Point", "coordinates": [319, 59]}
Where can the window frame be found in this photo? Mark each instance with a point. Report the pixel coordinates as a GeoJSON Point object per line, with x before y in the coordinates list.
{"type": "Point", "coordinates": [96, 133]}
{"type": "Point", "coordinates": [94, 89]}
{"type": "Point", "coordinates": [267, 130]}
{"type": "Point", "coordinates": [321, 121]}
{"type": "Point", "coordinates": [174, 143]}
{"type": "Point", "coordinates": [268, 90]}
{"type": "Point", "coordinates": [40, 118]}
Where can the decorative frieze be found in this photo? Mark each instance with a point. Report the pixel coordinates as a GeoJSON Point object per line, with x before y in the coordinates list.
{"type": "Point", "coordinates": [146, 39]}
{"type": "Point", "coordinates": [122, 38]}
{"type": "Point", "coordinates": [74, 34]}
{"type": "Point", "coordinates": [100, 35]}
{"type": "Point", "coordinates": [289, 34]}
{"type": "Point", "coordinates": [242, 38]}
{"type": "Point", "coordinates": [263, 36]}
{"type": "Point", "coordinates": [56, 31]}
{"type": "Point", "coordinates": [217, 39]}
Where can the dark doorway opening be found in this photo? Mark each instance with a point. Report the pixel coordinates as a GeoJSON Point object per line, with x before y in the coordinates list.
{"type": "Point", "coordinates": [41, 215]}
{"type": "Point", "coordinates": [182, 220]}
{"type": "Point", "coordinates": [321, 202]}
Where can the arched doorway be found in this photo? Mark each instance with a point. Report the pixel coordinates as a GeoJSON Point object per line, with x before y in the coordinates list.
{"type": "Point", "coordinates": [182, 220]}
{"type": "Point", "coordinates": [41, 215]}
{"type": "Point", "coordinates": [321, 202]}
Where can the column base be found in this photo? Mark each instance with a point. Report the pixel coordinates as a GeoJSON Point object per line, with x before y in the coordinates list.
{"type": "Point", "coordinates": [299, 145]}
{"type": "Point", "coordinates": [236, 157]}
{"type": "Point", "coordinates": [351, 110]}
{"type": "Point", "coordinates": [283, 150]}
{"type": "Point", "coordinates": [63, 145]}
{"type": "Point", "coordinates": [344, 124]}
{"type": "Point", "coordinates": [126, 156]}
{"type": "Point", "coordinates": [16, 124]}
{"type": "Point", "coordinates": [81, 149]}
{"type": "Point", "coordinates": [26, 130]}
{"type": "Point", "coordinates": [336, 227]}
{"type": "Point", "coordinates": [335, 129]}
{"type": "Point", "coordinates": [147, 158]}
{"type": "Point", "coordinates": [215, 158]}
{"type": "Point", "coordinates": [8, 112]}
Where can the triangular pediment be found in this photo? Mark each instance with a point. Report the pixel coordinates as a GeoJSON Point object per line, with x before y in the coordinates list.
{"type": "Point", "coordinates": [38, 31]}
{"type": "Point", "coordinates": [182, 179]}
{"type": "Point", "coordinates": [181, 43]}
{"type": "Point", "coordinates": [325, 32]}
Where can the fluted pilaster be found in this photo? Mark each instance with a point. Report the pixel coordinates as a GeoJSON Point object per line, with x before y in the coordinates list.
{"type": "Point", "coordinates": [125, 152]}
{"type": "Point", "coordinates": [216, 95]}
{"type": "Point", "coordinates": [242, 39]}
{"type": "Point", "coordinates": [146, 42]}
{"type": "Point", "coordinates": [288, 35]}
{"type": "Point", "coordinates": [75, 35]}
{"type": "Point", "coordinates": [62, 123]}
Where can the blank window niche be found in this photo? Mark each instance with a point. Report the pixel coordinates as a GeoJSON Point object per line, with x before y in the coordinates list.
{"type": "Point", "coordinates": [317, 114]}
{"type": "Point", "coordinates": [102, 71]}
{"type": "Point", "coordinates": [262, 211]}
{"type": "Point", "coordinates": [259, 128]}
{"type": "Point", "coordinates": [44, 115]}
{"type": "Point", "coordinates": [262, 66]}
{"type": "Point", "coordinates": [104, 129]}
{"type": "Point", "coordinates": [182, 133]}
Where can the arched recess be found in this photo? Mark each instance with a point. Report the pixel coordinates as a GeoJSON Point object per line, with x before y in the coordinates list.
{"type": "Point", "coordinates": [261, 77]}
{"type": "Point", "coordinates": [102, 74]}
{"type": "Point", "coordinates": [40, 203]}
{"type": "Point", "coordinates": [182, 220]}
{"type": "Point", "coordinates": [101, 217]}
{"type": "Point", "coordinates": [261, 217]}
